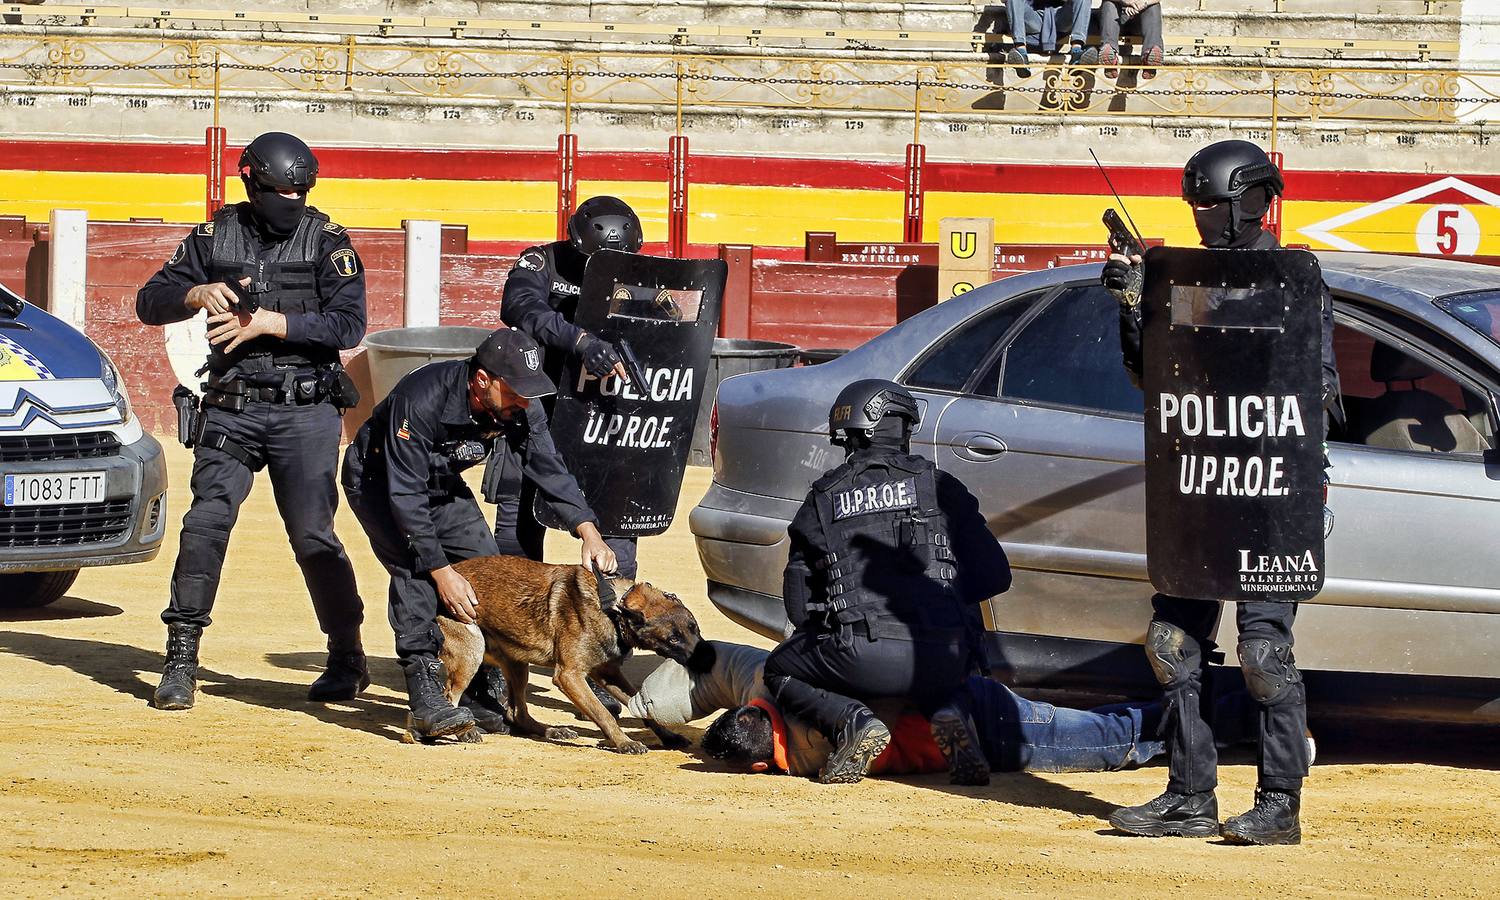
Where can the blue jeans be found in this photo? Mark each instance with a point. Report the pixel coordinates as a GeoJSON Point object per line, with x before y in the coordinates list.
{"type": "Point", "coordinates": [1040, 29]}
{"type": "Point", "coordinates": [1023, 735]}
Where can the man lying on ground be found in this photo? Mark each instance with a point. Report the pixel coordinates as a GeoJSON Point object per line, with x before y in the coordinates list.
{"type": "Point", "coordinates": [1014, 733]}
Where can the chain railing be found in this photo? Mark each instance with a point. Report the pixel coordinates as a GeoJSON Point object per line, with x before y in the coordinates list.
{"type": "Point", "coordinates": [264, 68]}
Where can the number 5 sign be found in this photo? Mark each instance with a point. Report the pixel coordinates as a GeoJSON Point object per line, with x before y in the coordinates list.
{"type": "Point", "coordinates": [1448, 231]}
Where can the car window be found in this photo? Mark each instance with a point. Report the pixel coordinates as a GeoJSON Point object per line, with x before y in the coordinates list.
{"type": "Point", "coordinates": [949, 364]}
{"type": "Point", "coordinates": [1068, 355]}
{"type": "Point", "coordinates": [1395, 400]}
{"type": "Point", "coordinates": [1480, 310]}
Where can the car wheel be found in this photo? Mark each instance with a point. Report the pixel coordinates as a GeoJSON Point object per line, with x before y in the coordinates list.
{"type": "Point", "coordinates": [29, 590]}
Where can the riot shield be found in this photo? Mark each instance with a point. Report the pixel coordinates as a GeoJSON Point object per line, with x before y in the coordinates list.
{"type": "Point", "coordinates": [627, 444]}
{"type": "Point", "coordinates": [1232, 345]}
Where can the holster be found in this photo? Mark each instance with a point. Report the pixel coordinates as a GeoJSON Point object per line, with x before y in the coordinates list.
{"type": "Point", "coordinates": [189, 415]}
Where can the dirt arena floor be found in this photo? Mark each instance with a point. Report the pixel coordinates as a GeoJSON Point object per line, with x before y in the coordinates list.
{"type": "Point", "coordinates": [259, 792]}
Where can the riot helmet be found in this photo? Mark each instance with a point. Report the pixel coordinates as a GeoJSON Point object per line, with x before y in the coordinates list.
{"type": "Point", "coordinates": [273, 163]}
{"type": "Point", "coordinates": [1229, 185]}
{"type": "Point", "coordinates": [605, 223]}
{"type": "Point", "coordinates": [872, 411]}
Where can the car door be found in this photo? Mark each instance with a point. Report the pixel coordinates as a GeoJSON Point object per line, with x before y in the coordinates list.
{"type": "Point", "coordinates": [1047, 433]}
{"type": "Point", "coordinates": [1416, 502]}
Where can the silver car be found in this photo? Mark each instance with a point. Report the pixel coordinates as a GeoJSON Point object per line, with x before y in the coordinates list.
{"type": "Point", "coordinates": [1024, 398]}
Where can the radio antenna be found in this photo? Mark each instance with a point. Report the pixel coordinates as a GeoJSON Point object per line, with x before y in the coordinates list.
{"type": "Point", "coordinates": [1117, 197]}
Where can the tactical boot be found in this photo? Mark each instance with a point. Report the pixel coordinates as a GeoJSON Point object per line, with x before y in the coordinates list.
{"type": "Point", "coordinates": [179, 677]}
{"type": "Point", "coordinates": [431, 715]}
{"type": "Point", "coordinates": [1183, 815]}
{"type": "Point", "coordinates": [861, 738]}
{"type": "Point", "coordinates": [345, 675]}
{"type": "Point", "coordinates": [953, 730]}
{"type": "Point", "coordinates": [485, 699]}
{"type": "Point", "coordinates": [608, 699]}
{"type": "Point", "coordinates": [1272, 820]}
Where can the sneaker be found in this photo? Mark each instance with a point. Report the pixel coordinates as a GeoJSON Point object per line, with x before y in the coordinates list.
{"type": "Point", "coordinates": [1017, 57]}
{"type": "Point", "coordinates": [1150, 59]}
{"type": "Point", "coordinates": [1272, 820]}
{"type": "Point", "coordinates": [1109, 58]}
{"type": "Point", "coordinates": [1179, 815]}
{"type": "Point", "coordinates": [953, 732]}
{"type": "Point", "coordinates": [861, 738]}
{"type": "Point", "coordinates": [1083, 56]}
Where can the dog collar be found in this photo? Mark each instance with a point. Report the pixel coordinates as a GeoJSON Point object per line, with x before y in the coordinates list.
{"type": "Point", "coordinates": [778, 733]}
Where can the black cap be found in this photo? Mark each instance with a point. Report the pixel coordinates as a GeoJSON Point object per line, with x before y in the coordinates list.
{"type": "Point", "coordinates": [512, 356]}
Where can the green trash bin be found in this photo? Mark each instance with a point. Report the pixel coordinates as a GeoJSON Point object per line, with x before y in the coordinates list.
{"type": "Point", "coordinates": [733, 356]}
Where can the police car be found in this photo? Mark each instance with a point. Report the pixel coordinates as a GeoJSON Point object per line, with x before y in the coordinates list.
{"type": "Point", "coordinates": [1023, 397]}
{"type": "Point", "coordinates": [81, 484]}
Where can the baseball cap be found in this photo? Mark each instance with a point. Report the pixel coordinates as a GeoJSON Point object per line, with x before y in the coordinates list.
{"type": "Point", "coordinates": [513, 356]}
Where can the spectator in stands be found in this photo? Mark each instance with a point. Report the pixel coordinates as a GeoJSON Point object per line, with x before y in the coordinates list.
{"type": "Point", "coordinates": [1146, 14]}
{"type": "Point", "coordinates": [1037, 24]}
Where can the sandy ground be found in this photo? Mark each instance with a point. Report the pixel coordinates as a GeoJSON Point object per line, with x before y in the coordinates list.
{"type": "Point", "coordinates": [259, 792]}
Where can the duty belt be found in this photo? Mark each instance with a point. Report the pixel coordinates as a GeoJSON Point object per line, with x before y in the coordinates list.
{"type": "Point", "coordinates": [232, 392]}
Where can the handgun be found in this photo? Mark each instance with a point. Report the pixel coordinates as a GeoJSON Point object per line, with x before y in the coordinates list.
{"type": "Point", "coordinates": [632, 363]}
{"type": "Point", "coordinates": [1121, 240]}
{"type": "Point", "coordinates": [245, 301]}
{"type": "Point", "coordinates": [189, 418]}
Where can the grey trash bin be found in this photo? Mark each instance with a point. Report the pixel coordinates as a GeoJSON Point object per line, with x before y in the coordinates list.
{"type": "Point", "coordinates": [395, 353]}
{"type": "Point", "coordinates": [733, 356]}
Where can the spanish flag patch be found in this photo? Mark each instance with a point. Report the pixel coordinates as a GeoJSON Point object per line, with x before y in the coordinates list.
{"type": "Point", "coordinates": [404, 432]}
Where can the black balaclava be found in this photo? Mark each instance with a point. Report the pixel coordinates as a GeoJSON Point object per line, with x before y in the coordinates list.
{"type": "Point", "coordinates": [1233, 224]}
{"type": "Point", "coordinates": [891, 435]}
{"type": "Point", "coordinates": [277, 215]}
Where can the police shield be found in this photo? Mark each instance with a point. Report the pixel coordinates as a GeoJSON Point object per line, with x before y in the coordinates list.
{"type": "Point", "coordinates": [627, 444]}
{"type": "Point", "coordinates": [1234, 423]}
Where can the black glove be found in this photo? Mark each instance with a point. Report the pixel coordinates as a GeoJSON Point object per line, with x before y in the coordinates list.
{"type": "Point", "coordinates": [1123, 280]}
{"type": "Point", "coordinates": [599, 356]}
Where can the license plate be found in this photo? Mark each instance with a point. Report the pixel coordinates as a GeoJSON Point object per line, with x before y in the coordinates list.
{"type": "Point", "coordinates": [54, 489]}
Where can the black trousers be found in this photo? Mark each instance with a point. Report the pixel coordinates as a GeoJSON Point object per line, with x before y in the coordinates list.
{"type": "Point", "coordinates": [300, 445]}
{"type": "Point", "coordinates": [821, 680]}
{"type": "Point", "coordinates": [518, 533]}
{"type": "Point", "coordinates": [1282, 761]}
{"type": "Point", "coordinates": [414, 605]}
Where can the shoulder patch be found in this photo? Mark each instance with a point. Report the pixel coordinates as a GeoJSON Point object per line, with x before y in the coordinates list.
{"type": "Point", "coordinates": [345, 262]}
{"type": "Point", "coordinates": [333, 228]}
{"type": "Point", "coordinates": [533, 260]}
{"type": "Point", "coordinates": [178, 254]}
{"type": "Point", "coordinates": [206, 229]}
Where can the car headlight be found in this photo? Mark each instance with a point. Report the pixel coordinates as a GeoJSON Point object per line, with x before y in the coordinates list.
{"type": "Point", "coordinates": [116, 386]}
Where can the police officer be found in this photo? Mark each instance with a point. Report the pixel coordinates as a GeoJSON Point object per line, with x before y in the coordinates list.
{"type": "Point", "coordinates": [1229, 186]}
{"type": "Point", "coordinates": [402, 475]}
{"type": "Point", "coordinates": [283, 292]}
{"type": "Point", "coordinates": [541, 299]}
{"type": "Point", "coordinates": [888, 556]}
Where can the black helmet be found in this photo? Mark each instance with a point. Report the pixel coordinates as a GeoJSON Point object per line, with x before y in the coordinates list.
{"type": "Point", "coordinates": [279, 161]}
{"type": "Point", "coordinates": [861, 406]}
{"type": "Point", "coordinates": [605, 223]}
{"type": "Point", "coordinates": [1225, 170]}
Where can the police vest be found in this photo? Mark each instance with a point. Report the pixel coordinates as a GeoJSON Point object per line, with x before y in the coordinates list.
{"type": "Point", "coordinates": [561, 292]}
{"type": "Point", "coordinates": [890, 561]}
{"type": "Point", "coordinates": [283, 278]}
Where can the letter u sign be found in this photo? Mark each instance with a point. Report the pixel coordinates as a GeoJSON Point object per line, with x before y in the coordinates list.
{"type": "Point", "coordinates": [963, 244]}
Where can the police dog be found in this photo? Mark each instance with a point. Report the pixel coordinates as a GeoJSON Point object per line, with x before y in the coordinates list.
{"type": "Point", "coordinates": [581, 623]}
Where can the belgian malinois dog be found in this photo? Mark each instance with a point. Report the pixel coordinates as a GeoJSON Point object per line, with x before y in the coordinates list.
{"type": "Point", "coordinates": [581, 623]}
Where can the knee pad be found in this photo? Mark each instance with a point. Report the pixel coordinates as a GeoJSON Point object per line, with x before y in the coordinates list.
{"type": "Point", "coordinates": [1174, 657]}
{"type": "Point", "coordinates": [206, 525]}
{"type": "Point", "coordinates": [1271, 674]}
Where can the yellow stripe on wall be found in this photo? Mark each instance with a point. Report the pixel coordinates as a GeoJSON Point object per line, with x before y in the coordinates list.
{"type": "Point", "coordinates": [106, 196]}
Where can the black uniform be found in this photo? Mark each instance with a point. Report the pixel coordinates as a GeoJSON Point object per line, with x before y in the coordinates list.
{"type": "Point", "coordinates": [541, 299]}
{"type": "Point", "coordinates": [888, 555]}
{"type": "Point", "coordinates": [288, 422]}
{"type": "Point", "coordinates": [403, 477]}
{"type": "Point", "coordinates": [1178, 644]}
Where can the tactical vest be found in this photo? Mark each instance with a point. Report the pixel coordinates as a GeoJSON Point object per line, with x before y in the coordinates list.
{"type": "Point", "coordinates": [890, 561]}
{"type": "Point", "coordinates": [562, 294]}
{"type": "Point", "coordinates": [283, 278]}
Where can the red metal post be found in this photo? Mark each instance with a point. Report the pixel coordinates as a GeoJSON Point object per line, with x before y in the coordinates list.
{"type": "Point", "coordinates": [213, 142]}
{"type": "Point", "coordinates": [916, 154]}
{"type": "Point", "coordinates": [734, 315]}
{"type": "Point", "coordinates": [677, 196]}
{"type": "Point", "coordinates": [1273, 212]}
{"type": "Point", "coordinates": [567, 181]}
